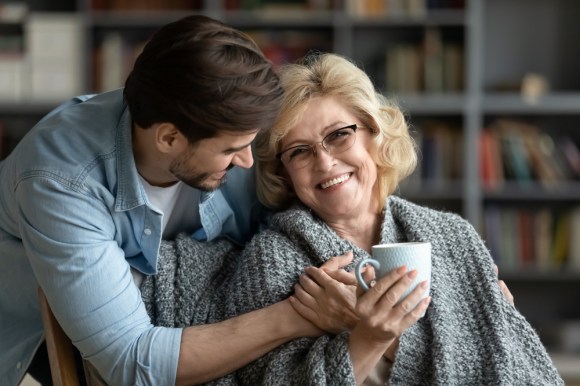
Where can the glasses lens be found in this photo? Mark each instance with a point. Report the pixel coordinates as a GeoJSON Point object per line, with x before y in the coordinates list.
{"type": "Point", "coordinates": [339, 140]}
{"type": "Point", "coordinates": [297, 157]}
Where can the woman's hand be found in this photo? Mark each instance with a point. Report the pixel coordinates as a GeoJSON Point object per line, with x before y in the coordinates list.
{"type": "Point", "coordinates": [326, 296]}
{"type": "Point", "coordinates": [384, 316]}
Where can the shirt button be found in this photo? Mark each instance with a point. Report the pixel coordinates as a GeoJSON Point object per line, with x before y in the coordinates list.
{"type": "Point", "coordinates": [147, 231]}
{"type": "Point", "coordinates": [18, 365]}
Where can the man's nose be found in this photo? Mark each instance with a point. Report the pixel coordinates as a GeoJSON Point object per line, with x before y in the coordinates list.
{"type": "Point", "coordinates": [244, 158]}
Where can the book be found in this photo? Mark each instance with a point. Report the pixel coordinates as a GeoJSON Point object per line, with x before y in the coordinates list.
{"type": "Point", "coordinates": [518, 157]}
{"type": "Point", "coordinates": [574, 252]}
{"type": "Point", "coordinates": [492, 221]}
{"type": "Point", "coordinates": [403, 68]}
{"type": "Point", "coordinates": [491, 167]}
{"type": "Point", "coordinates": [560, 246]}
{"type": "Point", "coordinates": [571, 154]}
{"type": "Point", "coordinates": [453, 67]}
{"type": "Point", "coordinates": [525, 236]}
{"type": "Point", "coordinates": [433, 60]}
{"type": "Point", "coordinates": [509, 246]}
{"type": "Point", "coordinates": [529, 153]}
{"type": "Point", "coordinates": [441, 143]}
{"type": "Point", "coordinates": [543, 231]}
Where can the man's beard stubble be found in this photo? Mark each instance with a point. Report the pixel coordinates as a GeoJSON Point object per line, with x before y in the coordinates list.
{"type": "Point", "coordinates": [193, 179]}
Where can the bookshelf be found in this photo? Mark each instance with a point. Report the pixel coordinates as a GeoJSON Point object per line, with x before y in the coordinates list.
{"type": "Point", "coordinates": [456, 67]}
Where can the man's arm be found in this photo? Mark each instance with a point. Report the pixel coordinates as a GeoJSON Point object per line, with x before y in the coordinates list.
{"type": "Point", "coordinates": [211, 351]}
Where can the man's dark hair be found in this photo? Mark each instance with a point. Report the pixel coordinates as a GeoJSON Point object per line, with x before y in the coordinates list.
{"type": "Point", "coordinates": [203, 76]}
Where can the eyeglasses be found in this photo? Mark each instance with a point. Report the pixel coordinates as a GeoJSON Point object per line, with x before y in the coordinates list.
{"type": "Point", "coordinates": [297, 157]}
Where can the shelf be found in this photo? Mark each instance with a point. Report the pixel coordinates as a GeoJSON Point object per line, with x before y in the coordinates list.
{"type": "Point", "coordinates": [437, 190]}
{"type": "Point", "coordinates": [534, 275]}
{"type": "Point", "coordinates": [554, 103]}
{"type": "Point", "coordinates": [532, 191]}
{"type": "Point", "coordinates": [295, 19]}
{"type": "Point", "coordinates": [432, 103]}
{"type": "Point", "coordinates": [133, 19]}
{"type": "Point", "coordinates": [26, 108]}
{"type": "Point", "coordinates": [439, 17]}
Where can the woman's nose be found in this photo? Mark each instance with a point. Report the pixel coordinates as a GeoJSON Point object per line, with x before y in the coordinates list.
{"type": "Point", "coordinates": [323, 160]}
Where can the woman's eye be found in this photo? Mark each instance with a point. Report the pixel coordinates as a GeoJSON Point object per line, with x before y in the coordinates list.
{"type": "Point", "coordinates": [299, 151]}
{"type": "Point", "coordinates": [339, 134]}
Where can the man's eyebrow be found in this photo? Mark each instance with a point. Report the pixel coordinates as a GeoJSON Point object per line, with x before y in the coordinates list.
{"type": "Point", "coordinates": [236, 149]}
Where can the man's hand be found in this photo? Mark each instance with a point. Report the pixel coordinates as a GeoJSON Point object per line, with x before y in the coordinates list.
{"type": "Point", "coordinates": [326, 296]}
{"type": "Point", "coordinates": [504, 289]}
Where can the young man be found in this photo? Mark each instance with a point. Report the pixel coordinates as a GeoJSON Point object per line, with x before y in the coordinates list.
{"type": "Point", "coordinates": [90, 191]}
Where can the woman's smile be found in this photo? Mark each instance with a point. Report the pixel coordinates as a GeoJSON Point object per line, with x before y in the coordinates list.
{"type": "Point", "coordinates": [335, 181]}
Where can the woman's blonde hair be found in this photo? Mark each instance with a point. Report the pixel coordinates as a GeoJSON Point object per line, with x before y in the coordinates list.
{"type": "Point", "coordinates": [326, 74]}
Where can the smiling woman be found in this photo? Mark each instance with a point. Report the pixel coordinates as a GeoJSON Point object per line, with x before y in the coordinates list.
{"type": "Point", "coordinates": [340, 198]}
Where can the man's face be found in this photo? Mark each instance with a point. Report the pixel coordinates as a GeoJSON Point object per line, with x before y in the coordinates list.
{"type": "Point", "coordinates": [203, 165]}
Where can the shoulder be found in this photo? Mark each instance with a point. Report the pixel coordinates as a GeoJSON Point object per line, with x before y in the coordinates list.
{"type": "Point", "coordinates": [297, 216]}
{"type": "Point", "coordinates": [402, 208]}
{"type": "Point", "coordinates": [286, 232]}
{"type": "Point", "coordinates": [443, 229]}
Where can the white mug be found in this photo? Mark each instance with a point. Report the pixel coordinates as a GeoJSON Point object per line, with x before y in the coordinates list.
{"type": "Point", "coordinates": [386, 257]}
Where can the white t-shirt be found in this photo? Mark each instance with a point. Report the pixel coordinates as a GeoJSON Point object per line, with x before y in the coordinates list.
{"type": "Point", "coordinates": [179, 204]}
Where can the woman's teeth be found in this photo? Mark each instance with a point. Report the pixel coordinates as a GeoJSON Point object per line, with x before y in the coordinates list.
{"type": "Point", "coordinates": [335, 181]}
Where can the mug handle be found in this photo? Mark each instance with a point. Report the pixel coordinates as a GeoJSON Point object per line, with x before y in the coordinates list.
{"type": "Point", "coordinates": [359, 266]}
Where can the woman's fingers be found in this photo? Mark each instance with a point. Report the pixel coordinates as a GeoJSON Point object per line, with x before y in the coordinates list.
{"type": "Point", "coordinates": [409, 302]}
{"type": "Point", "coordinates": [384, 312]}
{"type": "Point", "coordinates": [382, 286]}
{"type": "Point", "coordinates": [417, 313]}
{"type": "Point", "coordinates": [394, 294]}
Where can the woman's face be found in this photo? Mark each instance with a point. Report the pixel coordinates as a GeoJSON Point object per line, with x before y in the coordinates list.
{"type": "Point", "coordinates": [339, 185]}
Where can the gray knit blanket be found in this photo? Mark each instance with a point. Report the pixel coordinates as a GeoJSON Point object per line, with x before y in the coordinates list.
{"type": "Point", "coordinates": [470, 334]}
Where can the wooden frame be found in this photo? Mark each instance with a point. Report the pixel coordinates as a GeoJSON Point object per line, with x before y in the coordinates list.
{"type": "Point", "coordinates": [60, 348]}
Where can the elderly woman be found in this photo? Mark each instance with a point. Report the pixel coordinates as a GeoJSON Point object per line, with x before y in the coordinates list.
{"type": "Point", "coordinates": [331, 163]}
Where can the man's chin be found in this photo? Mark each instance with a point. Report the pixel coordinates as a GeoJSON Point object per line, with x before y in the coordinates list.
{"type": "Point", "coordinates": [207, 185]}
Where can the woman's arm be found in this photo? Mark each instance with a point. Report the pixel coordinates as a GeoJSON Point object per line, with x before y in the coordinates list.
{"type": "Point", "coordinates": [382, 315]}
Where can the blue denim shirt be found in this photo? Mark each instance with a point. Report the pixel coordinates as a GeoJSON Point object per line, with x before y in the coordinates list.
{"type": "Point", "coordinates": [73, 219]}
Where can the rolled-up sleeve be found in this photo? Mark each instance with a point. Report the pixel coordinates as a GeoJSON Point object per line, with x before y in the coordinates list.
{"type": "Point", "coordinates": [71, 237]}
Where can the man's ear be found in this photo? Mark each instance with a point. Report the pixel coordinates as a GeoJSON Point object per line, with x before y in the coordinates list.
{"type": "Point", "coordinates": [168, 139]}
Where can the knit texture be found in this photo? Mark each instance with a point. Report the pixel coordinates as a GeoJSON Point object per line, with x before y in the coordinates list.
{"type": "Point", "coordinates": [470, 334]}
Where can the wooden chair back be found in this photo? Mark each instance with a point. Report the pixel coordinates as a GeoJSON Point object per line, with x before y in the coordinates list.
{"type": "Point", "coordinates": [59, 346]}
{"type": "Point", "coordinates": [61, 353]}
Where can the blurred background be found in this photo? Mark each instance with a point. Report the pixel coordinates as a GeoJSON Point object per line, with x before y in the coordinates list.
{"type": "Point", "coordinates": [491, 89]}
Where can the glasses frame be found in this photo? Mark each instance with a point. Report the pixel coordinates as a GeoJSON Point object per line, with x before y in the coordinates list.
{"type": "Point", "coordinates": [313, 149]}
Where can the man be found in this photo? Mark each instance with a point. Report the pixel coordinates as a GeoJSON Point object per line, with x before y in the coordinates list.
{"type": "Point", "coordinates": [90, 191]}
